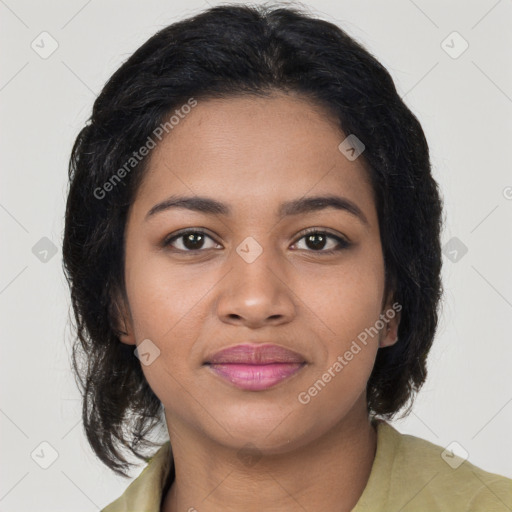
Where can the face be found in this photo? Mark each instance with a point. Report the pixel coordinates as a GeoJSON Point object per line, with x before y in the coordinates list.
{"type": "Point", "coordinates": [253, 274]}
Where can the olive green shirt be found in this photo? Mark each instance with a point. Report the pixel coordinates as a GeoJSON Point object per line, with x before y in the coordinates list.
{"type": "Point", "coordinates": [409, 474]}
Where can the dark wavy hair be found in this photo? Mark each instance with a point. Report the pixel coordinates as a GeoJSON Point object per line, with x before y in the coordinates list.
{"type": "Point", "coordinates": [224, 51]}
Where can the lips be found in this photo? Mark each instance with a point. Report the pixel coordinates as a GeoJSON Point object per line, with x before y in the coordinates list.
{"type": "Point", "coordinates": [255, 354]}
{"type": "Point", "coordinates": [255, 367]}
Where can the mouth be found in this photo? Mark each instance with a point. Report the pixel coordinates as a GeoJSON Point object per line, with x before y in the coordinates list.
{"type": "Point", "coordinates": [255, 367]}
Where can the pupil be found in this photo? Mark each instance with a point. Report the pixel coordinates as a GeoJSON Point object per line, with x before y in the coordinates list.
{"type": "Point", "coordinates": [310, 238]}
{"type": "Point", "coordinates": [190, 238]}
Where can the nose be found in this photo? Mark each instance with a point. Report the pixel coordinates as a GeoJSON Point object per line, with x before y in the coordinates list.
{"type": "Point", "coordinates": [256, 293]}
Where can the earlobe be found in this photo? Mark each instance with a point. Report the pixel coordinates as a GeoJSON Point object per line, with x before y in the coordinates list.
{"type": "Point", "coordinates": [119, 324]}
{"type": "Point", "coordinates": [391, 335]}
{"type": "Point", "coordinates": [126, 337]}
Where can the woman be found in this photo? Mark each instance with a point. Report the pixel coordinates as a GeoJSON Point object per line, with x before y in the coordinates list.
{"type": "Point", "coordinates": [252, 243]}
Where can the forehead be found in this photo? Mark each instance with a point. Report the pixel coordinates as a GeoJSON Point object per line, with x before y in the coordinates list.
{"type": "Point", "coordinates": [268, 149]}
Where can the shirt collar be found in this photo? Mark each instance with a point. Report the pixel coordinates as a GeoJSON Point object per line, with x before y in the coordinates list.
{"type": "Point", "coordinates": [146, 492]}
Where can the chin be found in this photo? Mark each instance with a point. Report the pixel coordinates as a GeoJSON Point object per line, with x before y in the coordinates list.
{"type": "Point", "coordinates": [271, 429]}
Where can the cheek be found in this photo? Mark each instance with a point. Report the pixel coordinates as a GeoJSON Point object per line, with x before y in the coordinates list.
{"type": "Point", "coordinates": [345, 299]}
{"type": "Point", "coordinates": [347, 307]}
{"type": "Point", "coordinates": [163, 298]}
{"type": "Point", "coordinates": [336, 389]}
{"type": "Point", "coordinates": [345, 302]}
{"type": "Point", "coordinates": [167, 306]}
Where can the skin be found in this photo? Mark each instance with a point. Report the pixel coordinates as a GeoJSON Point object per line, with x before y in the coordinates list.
{"type": "Point", "coordinates": [254, 153]}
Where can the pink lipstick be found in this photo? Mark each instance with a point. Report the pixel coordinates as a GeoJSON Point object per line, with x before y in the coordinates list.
{"type": "Point", "coordinates": [255, 367]}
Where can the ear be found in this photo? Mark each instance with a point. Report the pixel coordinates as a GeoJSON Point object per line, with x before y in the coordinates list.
{"type": "Point", "coordinates": [120, 318]}
{"type": "Point", "coordinates": [391, 316]}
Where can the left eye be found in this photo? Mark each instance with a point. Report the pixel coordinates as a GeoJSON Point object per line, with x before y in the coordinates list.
{"type": "Point", "coordinates": [316, 238]}
{"type": "Point", "coordinates": [193, 240]}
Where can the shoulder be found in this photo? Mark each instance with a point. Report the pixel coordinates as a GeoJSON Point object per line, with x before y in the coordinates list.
{"type": "Point", "coordinates": [435, 475]}
{"type": "Point", "coordinates": [412, 474]}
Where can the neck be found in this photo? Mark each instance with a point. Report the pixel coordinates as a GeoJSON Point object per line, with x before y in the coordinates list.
{"type": "Point", "coordinates": [327, 474]}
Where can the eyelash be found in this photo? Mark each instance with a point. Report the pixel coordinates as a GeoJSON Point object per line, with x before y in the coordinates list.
{"type": "Point", "coordinates": [342, 243]}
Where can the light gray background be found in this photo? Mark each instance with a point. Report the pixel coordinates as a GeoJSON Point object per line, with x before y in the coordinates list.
{"type": "Point", "coordinates": [465, 107]}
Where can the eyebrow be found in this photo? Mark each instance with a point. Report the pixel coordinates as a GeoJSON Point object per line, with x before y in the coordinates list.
{"type": "Point", "coordinates": [211, 206]}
